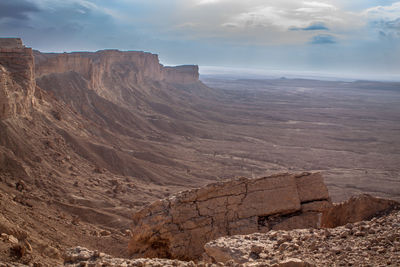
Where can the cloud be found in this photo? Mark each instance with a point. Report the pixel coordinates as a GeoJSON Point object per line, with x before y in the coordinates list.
{"type": "Point", "coordinates": [263, 22]}
{"type": "Point", "coordinates": [388, 29]}
{"type": "Point", "coordinates": [323, 39]}
{"type": "Point", "coordinates": [205, 2]}
{"type": "Point", "coordinates": [391, 12]}
{"type": "Point", "coordinates": [385, 20]}
{"type": "Point", "coordinates": [59, 25]}
{"type": "Point", "coordinates": [316, 26]}
{"type": "Point", "coordinates": [320, 5]}
{"type": "Point", "coordinates": [17, 9]}
{"type": "Point", "coordinates": [316, 7]}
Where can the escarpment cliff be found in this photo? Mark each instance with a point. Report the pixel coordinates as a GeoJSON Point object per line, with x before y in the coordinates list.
{"type": "Point", "coordinates": [17, 83]}
{"type": "Point", "coordinates": [92, 66]}
{"type": "Point", "coordinates": [181, 74]}
{"type": "Point", "coordinates": [106, 70]}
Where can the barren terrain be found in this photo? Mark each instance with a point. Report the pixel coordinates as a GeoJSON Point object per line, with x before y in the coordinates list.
{"type": "Point", "coordinates": [87, 139]}
{"type": "Point", "coordinates": [348, 130]}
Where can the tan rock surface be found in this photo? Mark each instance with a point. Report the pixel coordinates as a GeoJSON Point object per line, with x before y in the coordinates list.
{"type": "Point", "coordinates": [375, 242]}
{"type": "Point", "coordinates": [357, 208]}
{"type": "Point", "coordinates": [80, 256]}
{"type": "Point", "coordinates": [181, 74]}
{"type": "Point", "coordinates": [17, 78]}
{"type": "Point", "coordinates": [11, 43]}
{"type": "Point", "coordinates": [179, 226]}
{"type": "Point", "coordinates": [106, 70]}
{"type": "Point", "coordinates": [314, 181]}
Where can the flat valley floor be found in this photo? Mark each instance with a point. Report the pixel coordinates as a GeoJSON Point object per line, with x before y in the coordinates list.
{"type": "Point", "coordinates": [350, 131]}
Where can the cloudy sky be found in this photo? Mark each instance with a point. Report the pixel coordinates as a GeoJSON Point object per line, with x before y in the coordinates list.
{"type": "Point", "coordinates": [360, 37]}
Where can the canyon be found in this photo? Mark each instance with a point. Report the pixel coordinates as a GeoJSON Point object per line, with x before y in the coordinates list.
{"type": "Point", "coordinates": [90, 138]}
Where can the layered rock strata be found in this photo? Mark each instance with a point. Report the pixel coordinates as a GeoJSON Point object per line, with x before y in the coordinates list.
{"type": "Point", "coordinates": [122, 77]}
{"type": "Point", "coordinates": [135, 66]}
{"type": "Point", "coordinates": [181, 74]}
{"type": "Point", "coordinates": [11, 43]}
{"type": "Point", "coordinates": [17, 78]}
{"type": "Point", "coordinates": [179, 226]}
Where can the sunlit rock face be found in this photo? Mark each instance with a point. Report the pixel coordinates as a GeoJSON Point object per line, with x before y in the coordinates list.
{"type": "Point", "coordinates": [17, 78]}
{"type": "Point", "coordinates": [178, 227]}
{"type": "Point", "coordinates": [110, 73]}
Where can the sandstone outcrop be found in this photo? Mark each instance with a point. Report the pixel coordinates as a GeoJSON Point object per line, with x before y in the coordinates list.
{"type": "Point", "coordinates": [181, 74]}
{"type": "Point", "coordinates": [11, 43]}
{"type": "Point", "coordinates": [179, 226]}
{"type": "Point", "coordinates": [17, 78]}
{"type": "Point", "coordinates": [357, 208]}
{"type": "Point", "coordinates": [122, 77]}
{"type": "Point", "coordinates": [103, 68]}
{"type": "Point", "coordinates": [94, 65]}
{"type": "Point", "coordinates": [372, 243]}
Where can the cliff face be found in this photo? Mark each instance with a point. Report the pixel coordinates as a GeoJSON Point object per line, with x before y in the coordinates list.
{"type": "Point", "coordinates": [104, 68]}
{"type": "Point", "coordinates": [181, 74]}
{"type": "Point", "coordinates": [17, 83]}
{"type": "Point", "coordinates": [114, 75]}
{"type": "Point", "coordinates": [93, 66]}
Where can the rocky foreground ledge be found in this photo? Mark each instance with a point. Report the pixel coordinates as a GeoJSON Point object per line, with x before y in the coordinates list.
{"type": "Point", "coordinates": [284, 220]}
{"type": "Point", "coordinates": [366, 243]}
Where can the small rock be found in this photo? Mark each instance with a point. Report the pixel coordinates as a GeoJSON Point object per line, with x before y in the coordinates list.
{"type": "Point", "coordinates": [52, 252]}
{"type": "Point", "coordinates": [287, 237]}
{"type": "Point", "coordinates": [295, 247]}
{"type": "Point", "coordinates": [105, 233]}
{"type": "Point", "coordinates": [20, 185]}
{"type": "Point", "coordinates": [344, 234]}
{"type": "Point", "coordinates": [4, 236]}
{"type": "Point", "coordinates": [349, 226]}
{"type": "Point", "coordinates": [257, 249]}
{"type": "Point", "coordinates": [127, 232]}
{"type": "Point", "coordinates": [12, 239]}
{"type": "Point", "coordinates": [293, 262]}
{"type": "Point", "coordinates": [359, 233]}
{"type": "Point", "coordinates": [381, 250]}
{"type": "Point", "coordinates": [28, 247]}
{"type": "Point", "coordinates": [313, 246]}
{"type": "Point", "coordinates": [336, 250]}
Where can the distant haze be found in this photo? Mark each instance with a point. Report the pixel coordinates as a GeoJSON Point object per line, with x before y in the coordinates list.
{"type": "Point", "coordinates": [249, 73]}
{"type": "Point", "coordinates": [351, 39]}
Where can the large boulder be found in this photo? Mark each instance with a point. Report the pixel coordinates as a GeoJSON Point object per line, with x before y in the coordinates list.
{"type": "Point", "coordinates": [179, 226]}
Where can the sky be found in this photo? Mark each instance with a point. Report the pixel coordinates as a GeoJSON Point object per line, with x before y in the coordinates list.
{"type": "Point", "coordinates": [336, 37]}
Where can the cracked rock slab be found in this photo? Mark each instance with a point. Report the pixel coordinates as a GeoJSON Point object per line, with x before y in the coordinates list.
{"type": "Point", "coordinates": [179, 226]}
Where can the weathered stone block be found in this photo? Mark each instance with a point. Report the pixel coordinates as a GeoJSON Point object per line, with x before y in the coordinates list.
{"type": "Point", "coordinates": [179, 226]}
{"type": "Point", "coordinates": [314, 181]}
{"type": "Point", "coordinates": [277, 194]}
